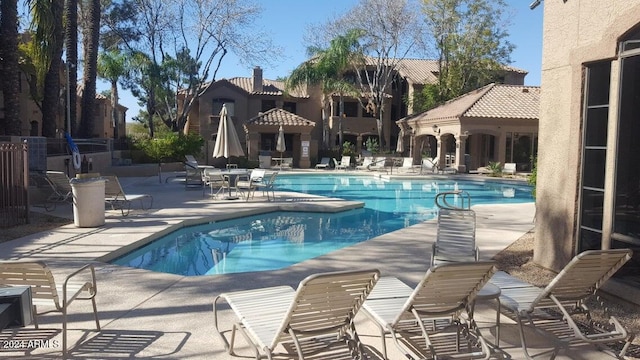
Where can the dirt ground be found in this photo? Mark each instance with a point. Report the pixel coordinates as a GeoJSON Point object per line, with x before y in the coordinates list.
{"type": "Point", "coordinates": [516, 260]}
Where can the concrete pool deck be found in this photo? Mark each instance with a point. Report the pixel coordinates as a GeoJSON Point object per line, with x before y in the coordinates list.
{"type": "Point", "coordinates": [155, 315]}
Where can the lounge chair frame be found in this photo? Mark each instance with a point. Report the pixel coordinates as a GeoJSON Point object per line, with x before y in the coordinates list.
{"type": "Point", "coordinates": [46, 292]}
{"type": "Point", "coordinates": [118, 199]}
{"type": "Point", "coordinates": [567, 293]}
{"type": "Point", "coordinates": [444, 297]}
{"type": "Point", "coordinates": [324, 163]}
{"type": "Point", "coordinates": [323, 306]}
{"type": "Point", "coordinates": [455, 237]}
{"type": "Point", "coordinates": [61, 190]}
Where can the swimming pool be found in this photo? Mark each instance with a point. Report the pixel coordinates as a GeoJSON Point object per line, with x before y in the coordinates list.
{"type": "Point", "coordinates": [280, 239]}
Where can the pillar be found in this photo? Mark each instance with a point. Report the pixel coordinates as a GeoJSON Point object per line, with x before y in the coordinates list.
{"type": "Point", "coordinates": [460, 151]}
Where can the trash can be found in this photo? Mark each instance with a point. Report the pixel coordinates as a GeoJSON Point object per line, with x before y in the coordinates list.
{"type": "Point", "coordinates": [88, 201]}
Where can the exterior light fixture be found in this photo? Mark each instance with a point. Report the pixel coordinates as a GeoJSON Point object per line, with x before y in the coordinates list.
{"type": "Point", "coordinates": [436, 129]}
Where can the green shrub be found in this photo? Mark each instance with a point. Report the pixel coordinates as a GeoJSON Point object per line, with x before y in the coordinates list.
{"type": "Point", "coordinates": [495, 168]}
{"type": "Point", "coordinates": [169, 147]}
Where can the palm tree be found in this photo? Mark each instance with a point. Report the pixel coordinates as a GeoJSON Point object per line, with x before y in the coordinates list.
{"type": "Point", "coordinates": [90, 42]}
{"type": "Point", "coordinates": [71, 49]}
{"type": "Point", "coordinates": [112, 66]}
{"type": "Point", "coordinates": [48, 40]}
{"type": "Point", "coordinates": [326, 69]}
{"type": "Point", "coordinates": [10, 69]}
{"type": "Point", "coordinates": [309, 74]}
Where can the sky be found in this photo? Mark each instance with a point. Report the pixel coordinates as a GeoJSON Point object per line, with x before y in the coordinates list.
{"type": "Point", "coordinates": [287, 20]}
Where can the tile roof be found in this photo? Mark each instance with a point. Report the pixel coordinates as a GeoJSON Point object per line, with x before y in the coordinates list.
{"type": "Point", "coordinates": [425, 71]}
{"type": "Point", "coordinates": [269, 87]}
{"type": "Point", "coordinates": [491, 101]}
{"type": "Point", "coordinates": [280, 117]}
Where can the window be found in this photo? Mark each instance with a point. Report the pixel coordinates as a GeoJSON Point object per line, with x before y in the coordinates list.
{"type": "Point", "coordinates": [350, 109]}
{"type": "Point", "coordinates": [268, 105]}
{"type": "Point", "coordinates": [290, 107]}
{"type": "Point", "coordinates": [594, 148]}
{"type": "Point", "coordinates": [217, 106]}
{"type": "Point", "coordinates": [627, 199]}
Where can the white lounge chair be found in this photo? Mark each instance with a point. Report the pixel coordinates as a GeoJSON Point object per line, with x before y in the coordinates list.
{"type": "Point", "coordinates": [407, 165]}
{"type": "Point", "coordinates": [567, 292]}
{"type": "Point", "coordinates": [378, 164]}
{"type": "Point", "coordinates": [424, 315]}
{"type": "Point", "coordinates": [365, 163]}
{"type": "Point", "coordinates": [313, 319]}
{"type": "Point", "coordinates": [345, 163]}
{"type": "Point", "coordinates": [46, 293]}
{"type": "Point", "coordinates": [509, 169]}
{"type": "Point", "coordinates": [455, 237]}
{"type": "Point", "coordinates": [115, 196]}
{"type": "Point", "coordinates": [324, 163]}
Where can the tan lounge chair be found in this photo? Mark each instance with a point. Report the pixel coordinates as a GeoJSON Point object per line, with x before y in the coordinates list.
{"type": "Point", "coordinates": [46, 293]}
{"type": "Point", "coordinates": [115, 196]}
{"type": "Point", "coordinates": [60, 186]}
{"type": "Point", "coordinates": [421, 320]}
{"type": "Point", "coordinates": [567, 293]}
{"type": "Point", "coordinates": [317, 318]}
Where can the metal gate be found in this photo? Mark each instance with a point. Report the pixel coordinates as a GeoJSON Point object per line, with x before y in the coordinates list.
{"type": "Point", "coordinates": [14, 184]}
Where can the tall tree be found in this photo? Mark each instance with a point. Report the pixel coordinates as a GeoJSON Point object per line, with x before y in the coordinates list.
{"type": "Point", "coordinates": [90, 45]}
{"type": "Point", "coordinates": [325, 69]}
{"type": "Point", "coordinates": [9, 68]}
{"type": "Point", "coordinates": [71, 51]}
{"type": "Point", "coordinates": [180, 47]}
{"type": "Point", "coordinates": [48, 40]}
{"type": "Point", "coordinates": [112, 66]}
{"type": "Point", "coordinates": [470, 39]}
{"type": "Point", "coordinates": [387, 32]}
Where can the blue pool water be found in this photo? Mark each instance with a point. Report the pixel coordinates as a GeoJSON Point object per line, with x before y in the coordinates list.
{"type": "Point", "coordinates": [280, 239]}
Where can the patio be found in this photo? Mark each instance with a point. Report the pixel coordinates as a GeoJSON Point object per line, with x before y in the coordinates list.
{"type": "Point", "coordinates": [155, 315]}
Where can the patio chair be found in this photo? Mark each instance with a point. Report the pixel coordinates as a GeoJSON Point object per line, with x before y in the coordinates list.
{"type": "Point", "coordinates": [269, 186]}
{"type": "Point", "coordinates": [509, 169]}
{"type": "Point", "coordinates": [256, 180]}
{"type": "Point", "coordinates": [431, 319]}
{"type": "Point", "coordinates": [60, 188]}
{"type": "Point", "coordinates": [567, 294]}
{"type": "Point", "coordinates": [455, 237]}
{"type": "Point", "coordinates": [407, 165]}
{"type": "Point", "coordinates": [213, 179]}
{"type": "Point", "coordinates": [315, 319]}
{"type": "Point", "coordinates": [365, 163]}
{"type": "Point", "coordinates": [45, 292]}
{"type": "Point", "coordinates": [379, 164]}
{"type": "Point", "coordinates": [115, 196]}
{"type": "Point", "coordinates": [324, 163]}
{"type": "Point", "coordinates": [345, 163]}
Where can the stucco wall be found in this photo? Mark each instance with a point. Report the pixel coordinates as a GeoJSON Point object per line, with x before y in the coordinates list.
{"type": "Point", "coordinates": [575, 32]}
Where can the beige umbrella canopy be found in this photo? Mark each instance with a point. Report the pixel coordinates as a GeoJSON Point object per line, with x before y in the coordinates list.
{"type": "Point", "coordinates": [400, 146]}
{"type": "Point", "coordinates": [227, 143]}
{"type": "Point", "coordinates": [280, 144]}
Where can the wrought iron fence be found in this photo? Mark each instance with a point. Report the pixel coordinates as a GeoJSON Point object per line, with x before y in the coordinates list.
{"type": "Point", "coordinates": [14, 184]}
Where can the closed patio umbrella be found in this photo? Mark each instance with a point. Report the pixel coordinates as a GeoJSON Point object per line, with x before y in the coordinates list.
{"type": "Point", "coordinates": [227, 143]}
{"type": "Point", "coordinates": [280, 145]}
{"type": "Point", "coordinates": [400, 146]}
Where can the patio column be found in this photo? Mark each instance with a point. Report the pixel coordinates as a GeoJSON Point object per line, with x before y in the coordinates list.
{"type": "Point", "coordinates": [460, 151]}
{"type": "Point", "coordinates": [440, 154]}
{"type": "Point", "coordinates": [359, 144]}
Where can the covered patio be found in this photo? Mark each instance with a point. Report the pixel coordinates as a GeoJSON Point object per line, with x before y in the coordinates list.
{"type": "Point", "coordinates": [262, 133]}
{"type": "Point", "coordinates": [496, 123]}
